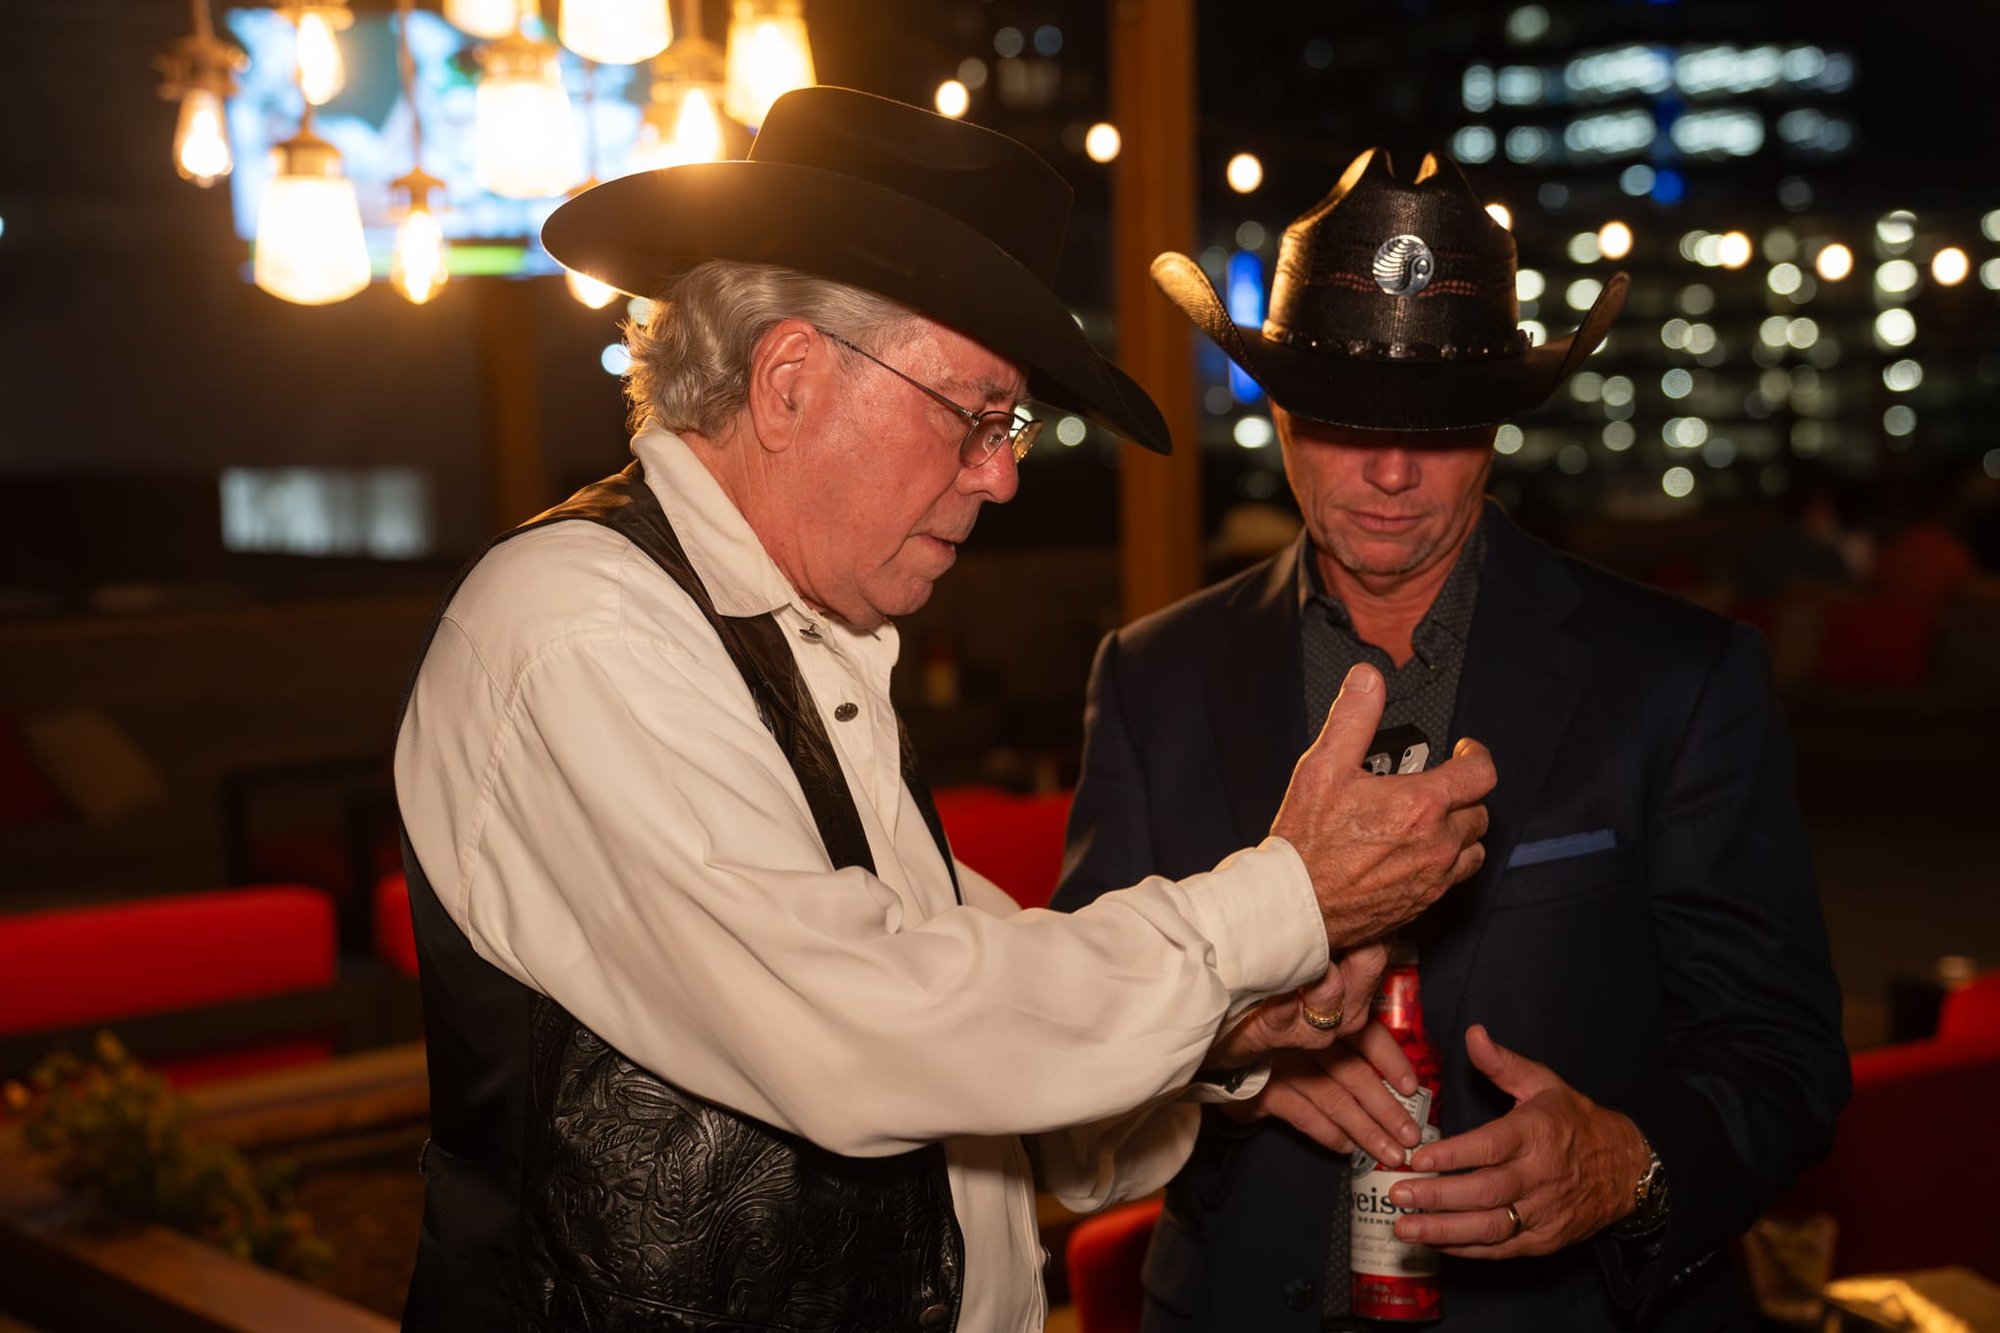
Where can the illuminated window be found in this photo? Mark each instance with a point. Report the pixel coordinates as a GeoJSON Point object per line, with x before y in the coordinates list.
{"type": "Point", "coordinates": [380, 513]}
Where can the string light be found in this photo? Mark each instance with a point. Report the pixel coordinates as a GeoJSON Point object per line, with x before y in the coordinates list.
{"type": "Point", "coordinates": [615, 32]}
{"type": "Point", "coordinates": [683, 120]}
{"type": "Point", "coordinates": [310, 249]}
{"type": "Point", "coordinates": [524, 143]}
{"type": "Point", "coordinates": [418, 266]}
{"type": "Point", "coordinates": [200, 72]}
{"type": "Point", "coordinates": [322, 73]}
{"type": "Point", "coordinates": [483, 18]}
{"type": "Point", "coordinates": [587, 290]}
{"type": "Point", "coordinates": [768, 56]}
{"type": "Point", "coordinates": [1245, 173]}
{"type": "Point", "coordinates": [1101, 142]}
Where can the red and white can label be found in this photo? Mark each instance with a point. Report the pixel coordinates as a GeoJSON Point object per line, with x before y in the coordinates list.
{"type": "Point", "coordinates": [1393, 1279]}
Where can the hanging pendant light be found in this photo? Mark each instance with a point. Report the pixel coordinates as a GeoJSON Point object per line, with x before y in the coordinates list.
{"type": "Point", "coordinates": [683, 121]}
{"type": "Point", "coordinates": [200, 72]}
{"type": "Point", "coordinates": [768, 56]}
{"type": "Point", "coordinates": [524, 139]}
{"type": "Point", "coordinates": [483, 18]}
{"type": "Point", "coordinates": [582, 286]}
{"type": "Point", "coordinates": [418, 265]}
{"type": "Point", "coordinates": [322, 73]}
{"type": "Point", "coordinates": [309, 243]}
{"type": "Point", "coordinates": [615, 32]}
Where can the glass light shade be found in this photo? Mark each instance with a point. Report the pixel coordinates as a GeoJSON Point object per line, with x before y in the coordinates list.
{"type": "Point", "coordinates": [768, 56]}
{"type": "Point", "coordinates": [201, 144]}
{"type": "Point", "coordinates": [682, 125]}
{"type": "Point", "coordinates": [417, 269]}
{"type": "Point", "coordinates": [321, 71]}
{"type": "Point", "coordinates": [589, 290]}
{"type": "Point", "coordinates": [309, 243]}
{"type": "Point", "coordinates": [615, 32]}
{"type": "Point", "coordinates": [484, 18]}
{"type": "Point", "coordinates": [524, 140]}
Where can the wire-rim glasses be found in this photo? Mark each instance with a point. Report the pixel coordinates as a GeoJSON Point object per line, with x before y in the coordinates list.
{"type": "Point", "coordinates": [985, 432]}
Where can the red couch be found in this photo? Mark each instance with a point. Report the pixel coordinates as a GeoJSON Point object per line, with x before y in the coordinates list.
{"type": "Point", "coordinates": [1105, 1256]}
{"type": "Point", "coordinates": [110, 963]}
{"type": "Point", "coordinates": [1914, 1171]}
{"type": "Point", "coordinates": [1015, 841]}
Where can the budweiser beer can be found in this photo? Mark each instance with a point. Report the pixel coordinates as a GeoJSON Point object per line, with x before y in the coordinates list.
{"type": "Point", "coordinates": [1393, 1280]}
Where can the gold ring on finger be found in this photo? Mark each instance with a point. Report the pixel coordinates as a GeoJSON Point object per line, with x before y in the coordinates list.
{"type": "Point", "coordinates": [1324, 1022]}
{"type": "Point", "coordinates": [1514, 1216]}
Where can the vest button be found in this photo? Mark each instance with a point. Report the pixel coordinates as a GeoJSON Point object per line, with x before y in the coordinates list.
{"type": "Point", "coordinates": [934, 1316]}
{"type": "Point", "coordinates": [1298, 1293]}
{"type": "Point", "coordinates": [845, 713]}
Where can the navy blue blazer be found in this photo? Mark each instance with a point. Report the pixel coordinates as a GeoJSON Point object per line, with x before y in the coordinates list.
{"type": "Point", "coordinates": [1646, 923]}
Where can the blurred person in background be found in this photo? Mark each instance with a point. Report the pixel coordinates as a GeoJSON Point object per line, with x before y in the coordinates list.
{"type": "Point", "coordinates": [1637, 1021]}
{"type": "Point", "coordinates": [1815, 548]}
{"type": "Point", "coordinates": [1926, 561]}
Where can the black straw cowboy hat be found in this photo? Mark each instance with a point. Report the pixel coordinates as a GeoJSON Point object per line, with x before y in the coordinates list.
{"type": "Point", "coordinates": [958, 222]}
{"type": "Point", "coordinates": [1393, 308]}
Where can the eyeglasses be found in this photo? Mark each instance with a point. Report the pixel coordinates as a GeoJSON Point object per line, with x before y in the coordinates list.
{"type": "Point", "coordinates": [985, 432]}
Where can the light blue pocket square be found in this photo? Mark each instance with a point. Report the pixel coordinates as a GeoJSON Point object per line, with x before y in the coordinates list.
{"type": "Point", "coordinates": [1558, 849]}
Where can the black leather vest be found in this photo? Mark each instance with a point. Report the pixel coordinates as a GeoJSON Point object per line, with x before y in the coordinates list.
{"type": "Point", "coordinates": [566, 1188]}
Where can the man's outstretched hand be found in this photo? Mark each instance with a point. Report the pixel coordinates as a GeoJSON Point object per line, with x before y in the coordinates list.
{"type": "Point", "coordinates": [1380, 848]}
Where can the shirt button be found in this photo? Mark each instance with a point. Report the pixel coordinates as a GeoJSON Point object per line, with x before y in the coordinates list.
{"type": "Point", "coordinates": [1298, 1293]}
{"type": "Point", "coordinates": [845, 713]}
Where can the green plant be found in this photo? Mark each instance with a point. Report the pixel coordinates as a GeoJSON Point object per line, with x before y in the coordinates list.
{"type": "Point", "coordinates": [114, 1132]}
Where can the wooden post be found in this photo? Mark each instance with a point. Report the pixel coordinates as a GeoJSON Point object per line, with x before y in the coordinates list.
{"type": "Point", "coordinates": [1153, 208]}
{"type": "Point", "coordinates": [513, 400]}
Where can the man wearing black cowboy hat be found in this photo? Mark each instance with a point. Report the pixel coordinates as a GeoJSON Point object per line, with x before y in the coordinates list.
{"type": "Point", "coordinates": [719, 1035]}
{"type": "Point", "coordinates": [1638, 1023]}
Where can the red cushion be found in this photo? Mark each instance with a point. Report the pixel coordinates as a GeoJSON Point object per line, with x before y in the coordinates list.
{"type": "Point", "coordinates": [80, 965]}
{"type": "Point", "coordinates": [395, 935]}
{"type": "Point", "coordinates": [1106, 1255]}
{"type": "Point", "coordinates": [1015, 841]}
{"type": "Point", "coordinates": [1971, 1011]}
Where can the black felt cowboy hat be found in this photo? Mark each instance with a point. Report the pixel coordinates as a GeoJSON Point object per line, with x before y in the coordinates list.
{"type": "Point", "coordinates": [1393, 308]}
{"type": "Point", "coordinates": [956, 221]}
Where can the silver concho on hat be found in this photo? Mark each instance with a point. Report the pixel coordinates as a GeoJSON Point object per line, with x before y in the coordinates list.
{"type": "Point", "coordinates": [1404, 265]}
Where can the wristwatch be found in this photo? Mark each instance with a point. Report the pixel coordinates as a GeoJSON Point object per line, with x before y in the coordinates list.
{"type": "Point", "coordinates": [1649, 1198]}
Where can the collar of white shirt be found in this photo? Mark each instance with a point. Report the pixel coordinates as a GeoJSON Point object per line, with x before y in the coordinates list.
{"type": "Point", "coordinates": [739, 574]}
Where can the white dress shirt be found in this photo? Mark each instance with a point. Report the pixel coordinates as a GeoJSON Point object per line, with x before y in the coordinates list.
{"type": "Point", "coordinates": [589, 790]}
